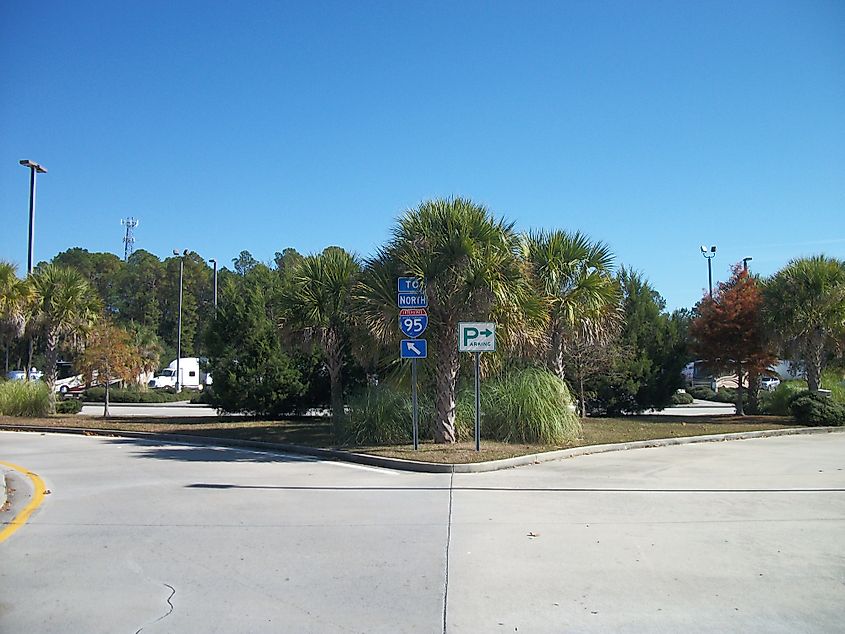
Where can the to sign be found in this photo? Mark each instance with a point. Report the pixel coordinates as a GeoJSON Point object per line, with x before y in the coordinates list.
{"type": "Point", "coordinates": [476, 336]}
{"type": "Point", "coordinates": [413, 322]}
{"type": "Point", "coordinates": [413, 349]}
{"type": "Point", "coordinates": [409, 285]}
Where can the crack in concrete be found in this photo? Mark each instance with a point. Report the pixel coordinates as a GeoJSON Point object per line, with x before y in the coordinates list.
{"type": "Point", "coordinates": [163, 616]}
{"type": "Point", "coordinates": [448, 543]}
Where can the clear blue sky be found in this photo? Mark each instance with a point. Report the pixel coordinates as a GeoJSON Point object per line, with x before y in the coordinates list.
{"type": "Point", "coordinates": [654, 126]}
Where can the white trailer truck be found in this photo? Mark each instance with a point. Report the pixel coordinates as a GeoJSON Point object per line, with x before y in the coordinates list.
{"type": "Point", "coordinates": [192, 377]}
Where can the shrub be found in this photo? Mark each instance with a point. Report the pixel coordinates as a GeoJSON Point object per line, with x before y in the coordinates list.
{"type": "Point", "coordinates": [134, 395]}
{"type": "Point", "coordinates": [380, 415]}
{"type": "Point", "coordinates": [776, 402]}
{"type": "Point", "coordinates": [24, 398]}
{"type": "Point", "coordinates": [528, 405]}
{"type": "Point", "coordinates": [681, 398]}
{"type": "Point", "coordinates": [69, 406]}
{"type": "Point", "coordinates": [702, 392]}
{"type": "Point", "coordinates": [203, 397]}
{"type": "Point", "coordinates": [816, 410]}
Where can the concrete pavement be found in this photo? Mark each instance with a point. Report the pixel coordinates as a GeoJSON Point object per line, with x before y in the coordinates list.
{"type": "Point", "coordinates": [741, 536]}
{"type": "Point", "coordinates": [159, 410]}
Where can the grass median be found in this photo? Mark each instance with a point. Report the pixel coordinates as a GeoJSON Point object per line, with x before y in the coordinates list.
{"type": "Point", "coordinates": [316, 432]}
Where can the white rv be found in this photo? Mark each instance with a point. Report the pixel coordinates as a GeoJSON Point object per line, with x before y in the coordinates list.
{"type": "Point", "coordinates": [191, 375]}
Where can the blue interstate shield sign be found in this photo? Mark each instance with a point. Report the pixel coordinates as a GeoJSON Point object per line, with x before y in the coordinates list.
{"type": "Point", "coordinates": [413, 322]}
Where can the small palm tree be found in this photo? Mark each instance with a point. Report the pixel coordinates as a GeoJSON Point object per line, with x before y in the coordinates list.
{"type": "Point", "coordinates": [14, 297]}
{"type": "Point", "coordinates": [472, 269]}
{"type": "Point", "coordinates": [575, 277]}
{"type": "Point", "coordinates": [63, 305]}
{"type": "Point", "coordinates": [805, 307]}
{"type": "Point", "coordinates": [318, 308]}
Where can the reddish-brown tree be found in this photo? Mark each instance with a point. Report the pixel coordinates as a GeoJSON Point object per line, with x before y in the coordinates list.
{"type": "Point", "coordinates": [109, 354]}
{"type": "Point", "coordinates": [728, 333]}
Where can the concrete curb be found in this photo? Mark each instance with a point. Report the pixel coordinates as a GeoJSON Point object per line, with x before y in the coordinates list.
{"type": "Point", "coordinates": [423, 467]}
{"type": "Point", "coordinates": [3, 496]}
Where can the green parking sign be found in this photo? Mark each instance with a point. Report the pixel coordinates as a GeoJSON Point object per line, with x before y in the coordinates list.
{"type": "Point", "coordinates": [476, 336]}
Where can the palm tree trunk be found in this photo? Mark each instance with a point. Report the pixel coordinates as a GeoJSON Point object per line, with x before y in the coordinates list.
{"type": "Point", "coordinates": [52, 350]}
{"type": "Point", "coordinates": [334, 364]}
{"type": "Point", "coordinates": [448, 362]}
{"type": "Point", "coordinates": [814, 364]}
{"type": "Point", "coordinates": [555, 359]}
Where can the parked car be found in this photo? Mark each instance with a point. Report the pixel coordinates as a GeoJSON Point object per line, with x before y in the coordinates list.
{"type": "Point", "coordinates": [20, 375]}
{"type": "Point", "coordinates": [769, 383]}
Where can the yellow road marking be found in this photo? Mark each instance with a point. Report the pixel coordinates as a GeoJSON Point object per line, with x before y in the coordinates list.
{"type": "Point", "coordinates": [34, 503]}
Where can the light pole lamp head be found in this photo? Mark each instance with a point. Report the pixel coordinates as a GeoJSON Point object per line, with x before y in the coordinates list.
{"type": "Point", "coordinates": [713, 249]}
{"type": "Point", "coordinates": [703, 249]}
{"type": "Point", "coordinates": [33, 165]}
{"type": "Point", "coordinates": [176, 252]}
{"type": "Point", "coordinates": [213, 261]}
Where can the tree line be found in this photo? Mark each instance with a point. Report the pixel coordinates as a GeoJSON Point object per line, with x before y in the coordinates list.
{"type": "Point", "coordinates": [306, 331]}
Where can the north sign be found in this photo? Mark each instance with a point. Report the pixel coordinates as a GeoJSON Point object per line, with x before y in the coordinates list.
{"type": "Point", "coordinates": [476, 336]}
{"type": "Point", "coordinates": [413, 322]}
{"type": "Point", "coordinates": [411, 300]}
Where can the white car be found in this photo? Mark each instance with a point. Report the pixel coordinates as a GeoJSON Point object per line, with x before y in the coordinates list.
{"type": "Point", "coordinates": [769, 383]}
{"type": "Point", "coordinates": [20, 375]}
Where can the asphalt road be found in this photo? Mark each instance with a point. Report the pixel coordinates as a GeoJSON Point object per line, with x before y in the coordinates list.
{"type": "Point", "coordinates": [136, 536]}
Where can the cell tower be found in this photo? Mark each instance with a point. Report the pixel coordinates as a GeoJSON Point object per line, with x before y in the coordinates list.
{"type": "Point", "coordinates": [129, 239]}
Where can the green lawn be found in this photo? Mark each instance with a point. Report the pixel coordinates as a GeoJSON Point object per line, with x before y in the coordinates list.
{"type": "Point", "coordinates": [316, 432]}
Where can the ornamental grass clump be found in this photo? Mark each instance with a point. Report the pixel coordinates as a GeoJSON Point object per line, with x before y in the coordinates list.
{"type": "Point", "coordinates": [529, 405]}
{"type": "Point", "coordinates": [30, 399]}
{"type": "Point", "coordinates": [380, 415]}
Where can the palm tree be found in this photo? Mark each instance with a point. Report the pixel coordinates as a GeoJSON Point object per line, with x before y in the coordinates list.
{"type": "Point", "coordinates": [318, 306]}
{"type": "Point", "coordinates": [63, 304]}
{"type": "Point", "coordinates": [805, 307]}
{"type": "Point", "coordinates": [575, 277]}
{"type": "Point", "coordinates": [472, 271]}
{"type": "Point", "coordinates": [14, 296]}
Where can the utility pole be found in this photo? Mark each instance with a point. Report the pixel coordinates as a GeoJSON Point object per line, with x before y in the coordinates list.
{"type": "Point", "coordinates": [214, 262]}
{"type": "Point", "coordinates": [34, 168]}
{"type": "Point", "coordinates": [709, 254]}
{"type": "Point", "coordinates": [179, 326]}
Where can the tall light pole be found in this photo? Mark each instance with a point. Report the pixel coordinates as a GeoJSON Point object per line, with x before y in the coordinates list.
{"type": "Point", "coordinates": [709, 254]}
{"type": "Point", "coordinates": [745, 262]}
{"type": "Point", "coordinates": [214, 262]}
{"type": "Point", "coordinates": [34, 168]}
{"type": "Point", "coordinates": [179, 327]}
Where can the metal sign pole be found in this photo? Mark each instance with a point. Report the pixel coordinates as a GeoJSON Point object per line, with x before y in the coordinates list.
{"type": "Point", "coordinates": [415, 415]}
{"type": "Point", "coordinates": [477, 401]}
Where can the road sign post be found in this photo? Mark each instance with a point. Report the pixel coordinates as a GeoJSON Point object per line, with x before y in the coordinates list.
{"type": "Point", "coordinates": [414, 411]}
{"type": "Point", "coordinates": [477, 337]}
{"type": "Point", "coordinates": [413, 320]}
{"type": "Point", "coordinates": [478, 401]}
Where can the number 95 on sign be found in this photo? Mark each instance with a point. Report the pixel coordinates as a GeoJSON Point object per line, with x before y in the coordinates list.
{"type": "Point", "coordinates": [413, 322]}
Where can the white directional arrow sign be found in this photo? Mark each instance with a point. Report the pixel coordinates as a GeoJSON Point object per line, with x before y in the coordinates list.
{"type": "Point", "coordinates": [413, 349]}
